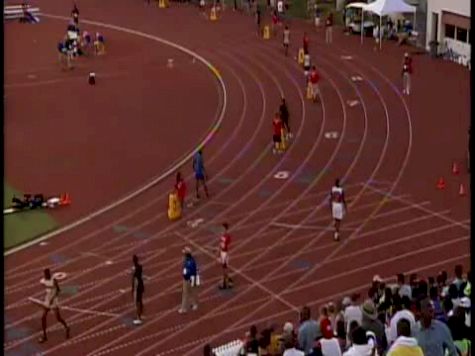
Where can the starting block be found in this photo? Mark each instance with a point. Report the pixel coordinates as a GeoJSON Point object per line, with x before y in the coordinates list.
{"type": "Point", "coordinates": [300, 56]}
{"type": "Point", "coordinates": [266, 32]}
{"type": "Point", "coordinates": [212, 15]}
{"type": "Point", "coordinates": [174, 208]}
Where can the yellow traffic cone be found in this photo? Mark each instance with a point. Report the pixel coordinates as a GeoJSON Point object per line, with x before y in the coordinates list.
{"type": "Point", "coordinates": [174, 208]}
{"type": "Point", "coordinates": [212, 15]}
{"type": "Point", "coordinates": [301, 56]}
{"type": "Point", "coordinates": [283, 140]}
{"type": "Point", "coordinates": [266, 34]}
{"type": "Point", "coordinates": [309, 91]}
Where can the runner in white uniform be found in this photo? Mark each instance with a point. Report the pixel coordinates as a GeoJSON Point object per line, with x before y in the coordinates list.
{"type": "Point", "coordinates": [51, 302]}
{"type": "Point", "coordinates": [338, 206]}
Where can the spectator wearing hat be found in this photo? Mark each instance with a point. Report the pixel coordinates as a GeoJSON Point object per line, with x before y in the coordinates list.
{"type": "Point", "coordinates": [405, 344]}
{"type": "Point", "coordinates": [190, 282]}
{"type": "Point", "coordinates": [308, 331]}
{"type": "Point", "coordinates": [288, 335]}
{"type": "Point", "coordinates": [434, 336]}
{"type": "Point", "coordinates": [370, 322]}
{"type": "Point", "coordinates": [360, 345]}
{"type": "Point", "coordinates": [353, 312]}
{"type": "Point", "coordinates": [402, 312]}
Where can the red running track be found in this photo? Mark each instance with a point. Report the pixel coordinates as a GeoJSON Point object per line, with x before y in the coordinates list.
{"type": "Point", "coordinates": [282, 253]}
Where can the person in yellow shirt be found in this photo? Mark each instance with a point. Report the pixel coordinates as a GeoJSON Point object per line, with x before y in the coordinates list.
{"type": "Point", "coordinates": [405, 345]}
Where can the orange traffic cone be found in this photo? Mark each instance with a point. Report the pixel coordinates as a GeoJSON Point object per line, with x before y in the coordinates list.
{"type": "Point", "coordinates": [455, 169]}
{"type": "Point", "coordinates": [441, 183]}
{"type": "Point", "coordinates": [462, 190]}
{"type": "Point", "coordinates": [65, 199]}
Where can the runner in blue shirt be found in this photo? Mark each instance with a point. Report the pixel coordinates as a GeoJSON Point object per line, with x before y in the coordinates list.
{"type": "Point", "coordinates": [200, 173]}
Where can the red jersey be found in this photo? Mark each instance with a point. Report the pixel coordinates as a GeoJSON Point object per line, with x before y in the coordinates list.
{"type": "Point", "coordinates": [407, 66]}
{"type": "Point", "coordinates": [277, 127]}
{"type": "Point", "coordinates": [224, 242]}
{"type": "Point", "coordinates": [314, 77]}
{"type": "Point", "coordinates": [181, 189]}
{"type": "Point", "coordinates": [326, 328]}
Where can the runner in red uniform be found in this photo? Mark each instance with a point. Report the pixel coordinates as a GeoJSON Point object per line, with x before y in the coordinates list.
{"type": "Point", "coordinates": [180, 187]}
{"type": "Point", "coordinates": [305, 42]}
{"type": "Point", "coordinates": [277, 133]}
{"type": "Point", "coordinates": [314, 79]}
{"type": "Point", "coordinates": [224, 242]}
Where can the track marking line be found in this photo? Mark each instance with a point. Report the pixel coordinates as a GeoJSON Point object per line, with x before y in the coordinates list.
{"type": "Point", "coordinates": [87, 311]}
{"type": "Point", "coordinates": [417, 206]}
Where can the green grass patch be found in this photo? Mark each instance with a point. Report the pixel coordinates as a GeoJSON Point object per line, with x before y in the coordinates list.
{"type": "Point", "coordinates": [25, 226]}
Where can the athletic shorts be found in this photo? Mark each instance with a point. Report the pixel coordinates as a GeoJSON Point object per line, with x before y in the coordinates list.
{"type": "Point", "coordinates": [224, 258]}
{"type": "Point", "coordinates": [337, 211]}
{"type": "Point", "coordinates": [199, 176]}
{"type": "Point", "coordinates": [276, 138]}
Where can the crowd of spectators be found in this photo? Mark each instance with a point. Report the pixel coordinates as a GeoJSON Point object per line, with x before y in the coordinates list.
{"type": "Point", "coordinates": [411, 317]}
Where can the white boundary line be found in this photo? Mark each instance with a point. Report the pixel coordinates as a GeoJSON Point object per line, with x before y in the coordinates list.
{"type": "Point", "coordinates": [93, 312]}
{"type": "Point", "coordinates": [164, 175]}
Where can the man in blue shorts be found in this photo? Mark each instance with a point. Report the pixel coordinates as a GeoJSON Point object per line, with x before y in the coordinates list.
{"type": "Point", "coordinates": [200, 173]}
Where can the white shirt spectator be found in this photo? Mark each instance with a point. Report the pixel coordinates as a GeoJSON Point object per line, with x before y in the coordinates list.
{"type": "Point", "coordinates": [330, 347]}
{"type": "Point", "coordinates": [293, 352]}
{"type": "Point", "coordinates": [352, 313]}
{"type": "Point", "coordinates": [402, 314]}
{"type": "Point", "coordinates": [359, 350]}
{"type": "Point", "coordinates": [405, 290]}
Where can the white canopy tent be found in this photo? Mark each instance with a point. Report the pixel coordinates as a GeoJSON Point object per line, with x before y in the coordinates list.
{"type": "Point", "coordinates": [384, 8]}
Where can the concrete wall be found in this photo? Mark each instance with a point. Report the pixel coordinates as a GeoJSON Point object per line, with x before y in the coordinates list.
{"type": "Point", "coordinates": [459, 7]}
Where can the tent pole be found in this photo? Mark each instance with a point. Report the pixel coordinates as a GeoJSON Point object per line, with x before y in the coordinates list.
{"type": "Point", "coordinates": [380, 32]}
{"type": "Point", "coordinates": [415, 28]}
{"type": "Point", "coordinates": [362, 25]}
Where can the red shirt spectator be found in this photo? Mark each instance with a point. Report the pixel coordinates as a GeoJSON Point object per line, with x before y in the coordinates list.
{"type": "Point", "coordinates": [326, 328]}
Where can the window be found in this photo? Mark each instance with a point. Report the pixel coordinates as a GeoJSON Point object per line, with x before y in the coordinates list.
{"type": "Point", "coordinates": [450, 31]}
{"type": "Point", "coordinates": [462, 35]}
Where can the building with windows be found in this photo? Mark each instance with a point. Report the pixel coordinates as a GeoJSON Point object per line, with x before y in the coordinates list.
{"type": "Point", "coordinates": [448, 23]}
